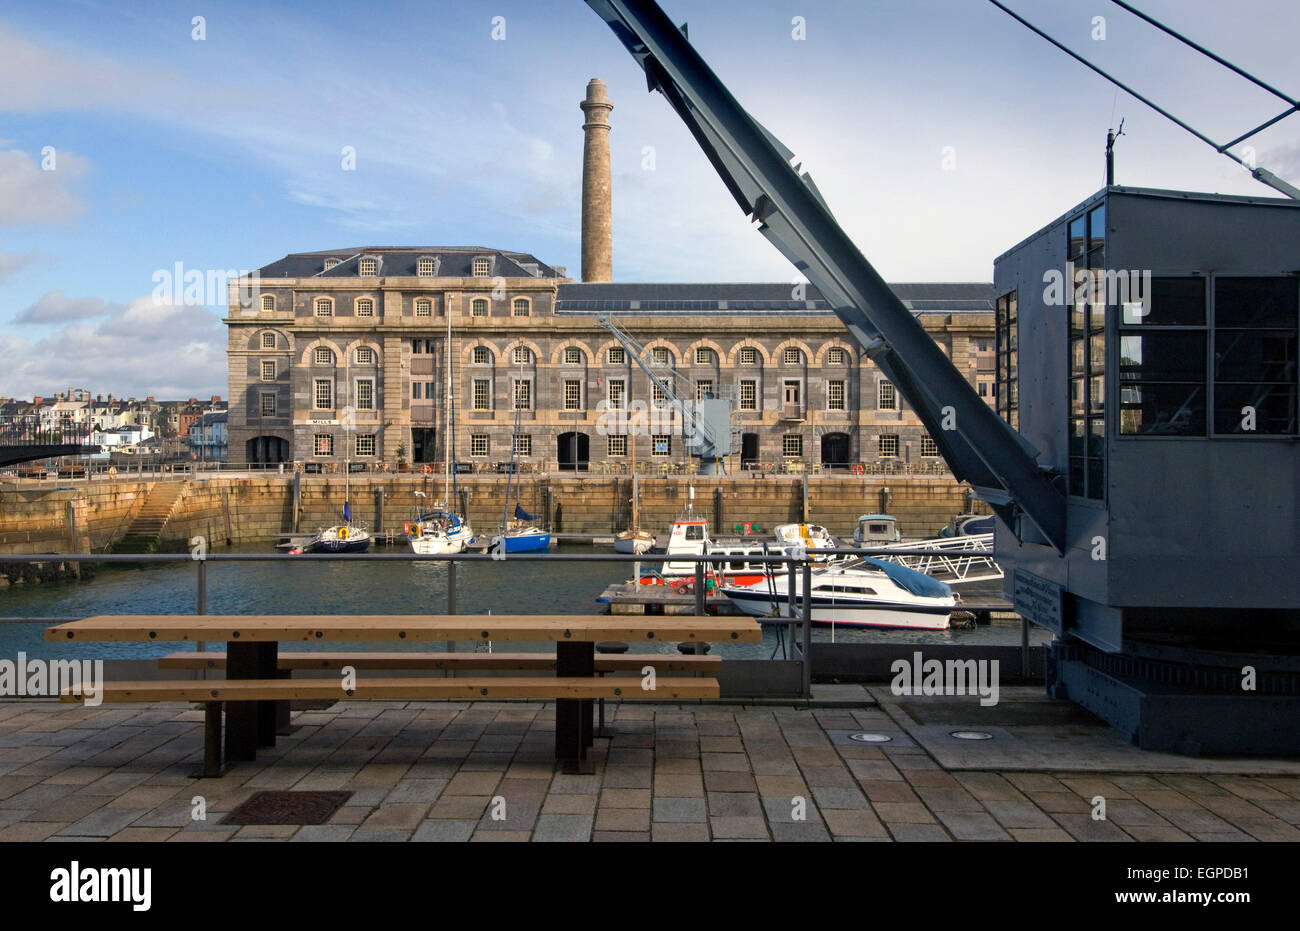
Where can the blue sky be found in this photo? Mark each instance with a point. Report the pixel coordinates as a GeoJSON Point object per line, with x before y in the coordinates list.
{"type": "Point", "coordinates": [226, 153]}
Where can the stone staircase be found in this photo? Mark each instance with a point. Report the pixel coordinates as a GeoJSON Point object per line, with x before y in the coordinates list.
{"type": "Point", "coordinates": [147, 526]}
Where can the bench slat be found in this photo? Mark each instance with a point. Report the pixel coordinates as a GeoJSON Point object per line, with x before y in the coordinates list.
{"type": "Point", "coordinates": [405, 627]}
{"type": "Point", "coordinates": [536, 688]}
{"type": "Point", "coordinates": [605, 662]}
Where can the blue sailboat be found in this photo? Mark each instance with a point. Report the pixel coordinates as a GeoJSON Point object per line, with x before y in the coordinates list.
{"type": "Point", "coordinates": [519, 535]}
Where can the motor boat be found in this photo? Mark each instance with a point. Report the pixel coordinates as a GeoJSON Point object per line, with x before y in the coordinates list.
{"type": "Point", "coordinates": [813, 536]}
{"type": "Point", "coordinates": [873, 529]}
{"type": "Point", "coordinates": [863, 593]}
{"type": "Point", "coordinates": [635, 542]}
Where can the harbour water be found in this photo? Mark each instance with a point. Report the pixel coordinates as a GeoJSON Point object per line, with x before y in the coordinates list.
{"type": "Point", "coordinates": [292, 586]}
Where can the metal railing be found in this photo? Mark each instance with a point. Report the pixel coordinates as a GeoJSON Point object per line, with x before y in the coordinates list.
{"type": "Point", "coordinates": [797, 568]}
{"type": "Point", "coordinates": [24, 430]}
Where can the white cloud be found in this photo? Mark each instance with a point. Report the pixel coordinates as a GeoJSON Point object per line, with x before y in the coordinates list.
{"type": "Point", "coordinates": [54, 307]}
{"type": "Point", "coordinates": [30, 195]}
{"type": "Point", "coordinates": [185, 348]}
{"type": "Point", "coordinates": [11, 262]}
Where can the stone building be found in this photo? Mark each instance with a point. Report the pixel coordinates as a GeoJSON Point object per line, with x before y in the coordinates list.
{"type": "Point", "coordinates": [345, 355]}
{"type": "Point", "coordinates": [366, 329]}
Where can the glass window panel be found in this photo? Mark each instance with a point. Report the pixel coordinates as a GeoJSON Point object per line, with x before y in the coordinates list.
{"type": "Point", "coordinates": [1076, 357]}
{"type": "Point", "coordinates": [1172, 302]}
{"type": "Point", "coordinates": [1097, 226]}
{"type": "Point", "coordinates": [1272, 408]}
{"type": "Point", "coordinates": [1097, 394]}
{"type": "Point", "coordinates": [1076, 476]}
{"type": "Point", "coordinates": [1096, 438]}
{"type": "Point", "coordinates": [1078, 314]}
{"type": "Point", "coordinates": [1076, 436]}
{"type": "Point", "coordinates": [1077, 241]}
{"type": "Point", "coordinates": [1255, 302]}
{"type": "Point", "coordinates": [1162, 356]}
{"type": "Point", "coordinates": [1097, 352]}
{"type": "Point", "coordinates": [1076, 397]}
{"type": "Point", "coordinates": [1163, 410]}
{"type": "Point", "coordinates": [1255, 355]}
{"type": "Point", "coordinates": [1097, 479]}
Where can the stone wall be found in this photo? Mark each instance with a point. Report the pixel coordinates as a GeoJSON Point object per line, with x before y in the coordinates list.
{"type": "Point", "coordinates": [76, 517]}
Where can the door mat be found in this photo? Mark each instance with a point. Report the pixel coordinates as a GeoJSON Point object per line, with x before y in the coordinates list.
{"type": "Point", "coordinates": [287, 807]}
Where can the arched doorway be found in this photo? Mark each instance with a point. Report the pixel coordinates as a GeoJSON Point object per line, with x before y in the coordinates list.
{"type": "Point", "coordinates": [573, 450]}
{"type": "Point", "coordinates": [263, 450]}
{"type": "Point", "coordinates": [836, 450]}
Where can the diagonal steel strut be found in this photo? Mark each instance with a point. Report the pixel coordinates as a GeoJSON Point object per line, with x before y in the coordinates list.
{"type": "Point", "coordinates": [976, 443]}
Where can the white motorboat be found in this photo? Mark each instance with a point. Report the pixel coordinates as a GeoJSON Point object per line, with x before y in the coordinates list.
{"type": "Point", "coordinates": [876, 528]}
{"type": "Point", "coordinates": [813, 536]}
{"type": "Point", "coordinates": [866, 593]}
{"type": "Point", "coordinates": [634, 541]}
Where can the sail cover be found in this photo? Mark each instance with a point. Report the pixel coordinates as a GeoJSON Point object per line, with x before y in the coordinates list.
{"type": "Point", "coordinates": [521, 514]}
{"type": "Point", "coordinates": [347, 511]}
{"type": "Point", "coordinates": [918, 583]}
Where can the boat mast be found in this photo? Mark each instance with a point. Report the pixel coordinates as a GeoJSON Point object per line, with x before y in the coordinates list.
{"type": "Point", "coordinates": [514, 441]}
{"type": "Point", "coordinates": [446, 421]}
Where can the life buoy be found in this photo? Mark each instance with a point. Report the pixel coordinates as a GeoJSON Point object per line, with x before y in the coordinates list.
{"type": "Point", "coordinates": [343, 533]}
{"type": "Point", "coordinates": [112, 470]}
{"type": "Point", "coordinates": [857, 468]}
{"type": "Point", "coordinates": [426, 469]}
{"type": "Point", "coordinates": [408, 528]}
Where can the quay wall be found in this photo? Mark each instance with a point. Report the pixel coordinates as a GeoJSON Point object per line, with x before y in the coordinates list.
{"type": "Point", "coordinates": [80, 516]}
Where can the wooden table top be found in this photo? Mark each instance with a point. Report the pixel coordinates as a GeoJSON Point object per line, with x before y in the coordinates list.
{"type": "Point", "coordinates": [416, 628]}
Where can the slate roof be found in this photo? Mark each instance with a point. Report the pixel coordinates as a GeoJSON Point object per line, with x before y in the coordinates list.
{"type": "Point", "coordinates": [395, 261]}
{"type": "Point", "coordinates": [920, 297]}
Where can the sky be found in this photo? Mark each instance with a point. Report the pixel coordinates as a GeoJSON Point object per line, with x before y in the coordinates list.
{"type": "Point", "coordinates": [940, 132]}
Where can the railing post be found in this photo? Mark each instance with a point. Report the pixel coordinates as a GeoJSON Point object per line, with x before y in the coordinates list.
{"type": "Point", "coordinates": [1024, 647]}
{"type": "Point", "coordinates": [451, 598]}
{"type": "Point", "coordinates": [807, 628]}
{"type": "Point", "coordinates": [699, 588]}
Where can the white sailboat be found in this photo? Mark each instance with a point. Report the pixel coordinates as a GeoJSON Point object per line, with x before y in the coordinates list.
{"type": "Point", "coordinates": [441, 530]}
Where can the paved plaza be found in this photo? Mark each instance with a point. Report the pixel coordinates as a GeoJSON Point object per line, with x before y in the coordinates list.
{"type": "Point", "coordinates": [484, 772]}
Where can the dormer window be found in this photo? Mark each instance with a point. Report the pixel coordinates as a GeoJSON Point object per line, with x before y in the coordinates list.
{"type": "Point", "coordinates": [268, 302]}
{"type": "Point", "coordinates": [424, 267]}
{"type": "Point", "coordinates": [324, 307]}
{"type": "Point", "coordinates": [368, 267]}
{"type": "Point", "coordinates": [330, 263]}
{"type": "Point", "coordinates": [481, 267]}
{"type": "Point", "coordinates": [424, 307]}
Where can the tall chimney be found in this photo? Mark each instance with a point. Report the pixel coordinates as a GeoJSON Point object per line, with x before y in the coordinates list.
{"type": "Point", "coordinates": [597, 227]}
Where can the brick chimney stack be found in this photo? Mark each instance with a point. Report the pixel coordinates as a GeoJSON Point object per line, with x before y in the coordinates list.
{"type": "Point", "coordinates": [597, 227]}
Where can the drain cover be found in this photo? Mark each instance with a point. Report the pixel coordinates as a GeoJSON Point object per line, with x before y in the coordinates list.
{"type": "Point", "coordinates": [871, 738]}
{"type": "Point", "coordinates": [972, 735]}
{"type": "Point", "coordinates": [286, 807]}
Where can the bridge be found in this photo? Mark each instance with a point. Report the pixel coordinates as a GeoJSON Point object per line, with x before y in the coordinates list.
{"type": "Point", "coordinates": [24, 439]}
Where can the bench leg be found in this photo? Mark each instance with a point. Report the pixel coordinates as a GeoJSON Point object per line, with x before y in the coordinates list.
{"type": "Point", "coordinates": [573, 715]}
{"type": "Point", "coordinates": [249, 724]}
{"type": "Point", "coordinates": [212, 768]}
{"type": "Point", "coordinates": [282, 719]}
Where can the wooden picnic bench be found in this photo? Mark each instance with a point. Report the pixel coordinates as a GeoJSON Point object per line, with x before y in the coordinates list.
{"type": "Point", "coordinates": [258, 684]}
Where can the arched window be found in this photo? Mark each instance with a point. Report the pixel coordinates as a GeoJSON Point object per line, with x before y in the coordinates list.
{"type": "Point", "coordinates": [323, 356]}
{"type": "Point", "coordinates": [523, 355]}
{"type": "Point", "coordinates": [268, 302]}
{"type": "Point", "coordinates": [365, 307]}
{"type": "Point", "coordinates": [479, 307]}
{"type": "Point", "coordinates": [324, 307]}
{"type": "Point", "coordinates": [482, 356]}
{"type": "Point", "coordinates": [520, 307]}
{"type": "Point", "coordinates": [572, 356]}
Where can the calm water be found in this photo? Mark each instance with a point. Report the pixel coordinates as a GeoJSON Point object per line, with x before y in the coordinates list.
{"type": "Point", "coordinates": [339, 587]}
